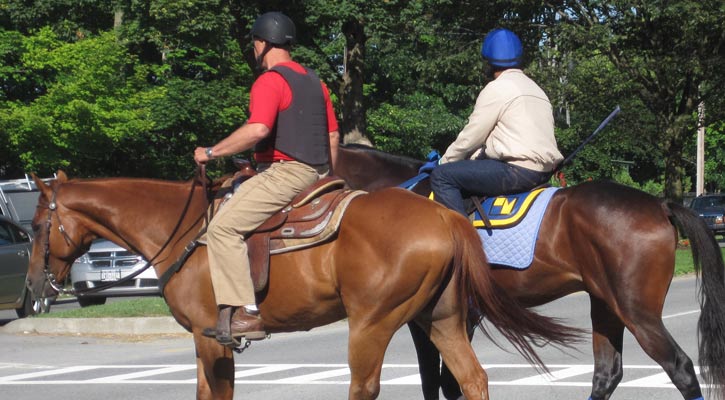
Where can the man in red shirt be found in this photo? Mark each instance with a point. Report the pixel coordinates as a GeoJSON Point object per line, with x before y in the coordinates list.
{"type": "Point", "coordinates": [293, 130]}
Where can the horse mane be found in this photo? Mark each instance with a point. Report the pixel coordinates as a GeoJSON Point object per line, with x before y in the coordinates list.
{"type": "Point", "coordinates": [383, 156]}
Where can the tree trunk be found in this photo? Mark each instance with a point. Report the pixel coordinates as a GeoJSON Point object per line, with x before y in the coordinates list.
{"type": "Point", "coordinates": [352, 121]}
{"type": "Point", "coordinates": [676, 132]}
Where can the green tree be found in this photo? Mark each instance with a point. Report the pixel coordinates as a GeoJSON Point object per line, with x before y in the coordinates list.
{"type": "Point", "coordinates": [668, 49]}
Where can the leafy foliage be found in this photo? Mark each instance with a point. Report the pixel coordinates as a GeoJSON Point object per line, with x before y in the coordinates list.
{"type": "Point", "coordinates": [131, 87]}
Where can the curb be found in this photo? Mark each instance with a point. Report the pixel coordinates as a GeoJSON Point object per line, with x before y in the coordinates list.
{"type": "Point", "coordinates": [96, 326]}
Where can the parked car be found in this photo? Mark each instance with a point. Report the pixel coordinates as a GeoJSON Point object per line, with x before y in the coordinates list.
{"type": "Point", "coordinates": [15, 247]}
{"type": "Point", "coordinates": [712, 208]}
{"type": "Point", "coordinates": [18, 198]}
{"type": "Point", "coordinates": [106, 262]}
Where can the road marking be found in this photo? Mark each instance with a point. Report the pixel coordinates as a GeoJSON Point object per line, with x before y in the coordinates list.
{"type": "Point", "coordinates": [141, 374]}
{"type": "Point", "coordinates": [680, 314]}
{"type": "Point", "coordinates": [643, 376]}
{"type": "Point", "coordinates": [557, 375]}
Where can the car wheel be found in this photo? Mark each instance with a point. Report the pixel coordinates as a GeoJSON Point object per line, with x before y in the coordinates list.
{"type": "Point", "coordinates": [33, 306]}
{"type": "Point", "coordinates": [26, 309]}
{"type": "Point", "coordinates": [91, 301]}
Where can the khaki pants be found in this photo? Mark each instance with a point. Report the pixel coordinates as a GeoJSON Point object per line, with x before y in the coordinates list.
{"type": "Point", "coordinates": [257, 199]}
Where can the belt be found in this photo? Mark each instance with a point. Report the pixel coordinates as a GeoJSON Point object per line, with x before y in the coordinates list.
{"type": "Point", "coordinates": [319, 168]}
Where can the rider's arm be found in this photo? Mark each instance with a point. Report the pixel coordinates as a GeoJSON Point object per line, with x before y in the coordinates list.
{"type": "Point", "coordinates": [332, 128]}
{"type": "Point", "coordinates": [480, 124]}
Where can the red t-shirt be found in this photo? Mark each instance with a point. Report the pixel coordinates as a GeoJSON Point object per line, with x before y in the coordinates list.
{"type": "Point", "coordinates": [271, 94]}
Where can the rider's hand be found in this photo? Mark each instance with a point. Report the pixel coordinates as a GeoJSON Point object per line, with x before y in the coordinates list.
{"type": "Point", "coordinates": [200, 156]}
{"type": "Point", "coordinates": [428, 167]}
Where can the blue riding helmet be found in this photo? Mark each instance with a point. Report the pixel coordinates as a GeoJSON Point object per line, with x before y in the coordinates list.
{"type": "Point", "coordinates": [502, 48]}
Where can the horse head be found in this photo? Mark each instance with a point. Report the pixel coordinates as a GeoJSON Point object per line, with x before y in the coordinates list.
{"type": "Point", "coordinates": [59, 238]}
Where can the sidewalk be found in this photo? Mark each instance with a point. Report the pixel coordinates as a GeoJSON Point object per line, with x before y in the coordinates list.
{"type": "Point", "coordinates": [120, 326]}
{"type": "Point", "coordinates": [95, 326]}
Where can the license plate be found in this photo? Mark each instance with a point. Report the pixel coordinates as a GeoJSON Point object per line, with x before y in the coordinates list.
{"type": "Point", "coordinates": [110, 275]}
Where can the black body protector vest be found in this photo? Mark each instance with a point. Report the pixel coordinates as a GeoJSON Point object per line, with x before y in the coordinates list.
{"type": "Point", "coordinates": [301, 129]}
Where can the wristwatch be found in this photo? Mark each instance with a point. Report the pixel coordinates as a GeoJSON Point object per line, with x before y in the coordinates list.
{"type": "Point", "coordinates": [209, 152]}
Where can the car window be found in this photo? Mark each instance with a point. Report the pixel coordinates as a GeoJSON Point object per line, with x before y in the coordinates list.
{"type": "Point", "coordinates": [20, 235]}
{"type": "Point", "coordinates": [10, 234]}
{"type": "Point", "coordinates": [705, 202]}
{"type": "Point", "coordinates": [718, 201]}
{"type": "Point", "coordinates": [6, 237]}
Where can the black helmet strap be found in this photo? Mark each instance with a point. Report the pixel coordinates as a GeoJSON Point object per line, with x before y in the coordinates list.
{"type": "Point", "coordinates": [258, 60]}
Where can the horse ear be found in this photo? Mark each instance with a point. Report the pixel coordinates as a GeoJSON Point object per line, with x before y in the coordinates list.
{"type": "Point", "coordinates": [42, 186]}
{"type": "Point", "coordinates": [61, 176]}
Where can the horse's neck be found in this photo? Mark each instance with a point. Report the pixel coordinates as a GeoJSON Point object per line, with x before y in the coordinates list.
{"type": "Point", "coordinates": [370, 169]}
{"type": "Point", "coordinates": [137, 213]}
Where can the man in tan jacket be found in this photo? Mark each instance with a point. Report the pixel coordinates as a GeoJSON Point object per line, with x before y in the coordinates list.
{"type": "Point", "coordinates": [508, 145]}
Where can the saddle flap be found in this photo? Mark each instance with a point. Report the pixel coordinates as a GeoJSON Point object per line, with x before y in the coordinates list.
{"type": "Point", "coordinates": [314, 223]}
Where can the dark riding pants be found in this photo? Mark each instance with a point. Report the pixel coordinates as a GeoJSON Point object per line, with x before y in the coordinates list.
{"type": "Point", "coordinates": [452, 182]}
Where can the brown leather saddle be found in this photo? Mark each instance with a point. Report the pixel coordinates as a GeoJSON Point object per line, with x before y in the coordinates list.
{"type": "Point", "coordinates": [313, 217]}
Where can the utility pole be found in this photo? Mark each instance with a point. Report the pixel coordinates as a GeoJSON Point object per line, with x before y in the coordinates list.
{"type": "Point", "coordinates": [700, 149]}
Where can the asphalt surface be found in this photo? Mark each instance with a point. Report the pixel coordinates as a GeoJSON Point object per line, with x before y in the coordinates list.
{"type": "Point", "coordinates": [92, 326]}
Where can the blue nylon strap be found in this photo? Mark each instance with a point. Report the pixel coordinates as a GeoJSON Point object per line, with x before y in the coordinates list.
{"type": "Point", "coordinates": [410, 183]}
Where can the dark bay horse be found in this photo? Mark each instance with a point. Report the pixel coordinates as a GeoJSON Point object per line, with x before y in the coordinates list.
{"type": "Point", "coordinates": [376, 272]}
{"type": "Point", "coordinates": [614, 242]}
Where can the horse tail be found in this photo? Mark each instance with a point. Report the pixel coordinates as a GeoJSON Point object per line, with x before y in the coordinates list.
{"type": "Point", "coordinates": [710, 271]}
{"type": "Point", "coordinates": [485, 297]}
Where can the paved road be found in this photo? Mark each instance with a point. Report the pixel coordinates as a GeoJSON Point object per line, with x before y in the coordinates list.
{"type": "Point", "coordinates": [312, 365]}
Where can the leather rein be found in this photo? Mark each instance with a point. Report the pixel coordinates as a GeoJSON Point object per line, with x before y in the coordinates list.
{"type": "Point", "coordinates": [53, 207]}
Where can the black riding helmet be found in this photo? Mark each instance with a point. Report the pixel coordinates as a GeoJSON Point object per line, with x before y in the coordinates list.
{"type": "Point", "coordinates": [275, 28]}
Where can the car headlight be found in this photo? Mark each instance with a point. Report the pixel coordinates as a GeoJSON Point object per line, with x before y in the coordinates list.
{"type": "Point", "coordinates": [719, 219]}
{"type": "Point", "coordinates": [84, 259]}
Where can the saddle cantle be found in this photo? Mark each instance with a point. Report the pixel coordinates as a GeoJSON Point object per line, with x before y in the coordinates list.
{"type": "Point", "coordinates": [312, 218]}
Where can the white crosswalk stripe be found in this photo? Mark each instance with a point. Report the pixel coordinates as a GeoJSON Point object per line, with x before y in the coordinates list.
{"type": "Point", "coordinates": [312, 374]}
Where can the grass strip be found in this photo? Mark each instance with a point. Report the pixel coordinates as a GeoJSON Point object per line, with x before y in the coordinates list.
{"type": "Point", "coordinates": [136, 307]}
{"type": "Point", "coordinates": [683, 261]}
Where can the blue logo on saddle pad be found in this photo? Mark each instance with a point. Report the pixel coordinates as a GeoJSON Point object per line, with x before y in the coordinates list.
{"type": "Point", "coordinates": [505, 211]}
{"type": "Point", "coordinates": [513, 244]}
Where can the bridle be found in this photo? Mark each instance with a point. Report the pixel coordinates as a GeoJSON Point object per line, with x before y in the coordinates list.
{"type": "Point", "coordinates": [49, 276]}
{"type": "Point", "coordinates": [53, 207]}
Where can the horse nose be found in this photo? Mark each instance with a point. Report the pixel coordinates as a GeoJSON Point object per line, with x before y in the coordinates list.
{"type": "Point", "coordinates": [34, 285]}
{"type": "Point", "coordinates": [29, 283]}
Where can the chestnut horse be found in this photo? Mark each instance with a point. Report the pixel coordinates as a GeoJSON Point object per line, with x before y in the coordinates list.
{"type": "Point", "coordinates": [386, 267]}
{"type": "Point", "coordinates": [614, 242]}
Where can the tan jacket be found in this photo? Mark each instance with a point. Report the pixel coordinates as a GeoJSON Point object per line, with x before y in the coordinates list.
{"type": "Point", "coordinates": [514, 120]}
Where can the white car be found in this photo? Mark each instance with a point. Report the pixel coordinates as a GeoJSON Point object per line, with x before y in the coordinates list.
{"type": "Point", "coordinates": [104, 263]}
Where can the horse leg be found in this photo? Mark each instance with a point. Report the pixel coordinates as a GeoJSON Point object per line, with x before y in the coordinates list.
{"type": "Point", "coordinates": [366, 350]}
{"type": "Point", "coordinates": [449, 386]}
{"type": "Point", "coordinates": [214, 369]}
{"type": "Point", "coordinates": [450, 337]}
{"type": "Point", "coordinates": [657, 342]}
{"type": "Point", "coordinates": [607, 336]}
{"type": "Point", "coordinates": [429, 362]}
